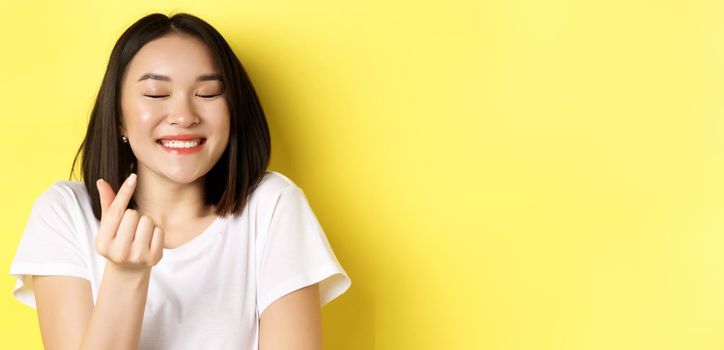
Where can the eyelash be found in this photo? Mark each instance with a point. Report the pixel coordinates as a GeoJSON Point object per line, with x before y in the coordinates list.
{"type": "Point", "coordinates": [159, 96]}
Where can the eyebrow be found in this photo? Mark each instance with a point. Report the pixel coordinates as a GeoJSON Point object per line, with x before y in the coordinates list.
{"type": "Point", "coordinates": [203, 77]}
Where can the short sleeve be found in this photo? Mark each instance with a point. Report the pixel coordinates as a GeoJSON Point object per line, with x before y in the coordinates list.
{"type": "Point", "coordinates": [295, 253]}
{"type": "Point", "coordinates": [49, 245]}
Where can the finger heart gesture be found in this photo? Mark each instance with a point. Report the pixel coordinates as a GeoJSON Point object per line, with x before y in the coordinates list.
{"type": "Point", "coordinates": [125, 239]}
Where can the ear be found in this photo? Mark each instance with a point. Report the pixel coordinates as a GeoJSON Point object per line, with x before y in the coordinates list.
{"type": "Point", "coordinates": [121, 129]}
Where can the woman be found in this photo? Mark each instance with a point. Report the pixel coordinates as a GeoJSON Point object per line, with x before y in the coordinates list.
{"type": "Point", "coordinates": [178, 237]}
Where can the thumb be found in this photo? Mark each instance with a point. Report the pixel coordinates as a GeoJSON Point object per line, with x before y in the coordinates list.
{"type": "Point", "coordinates": [106, 194]}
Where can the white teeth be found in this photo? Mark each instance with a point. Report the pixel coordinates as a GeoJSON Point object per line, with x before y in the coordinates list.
{"type": "Point", "coordinates": [180, 144]}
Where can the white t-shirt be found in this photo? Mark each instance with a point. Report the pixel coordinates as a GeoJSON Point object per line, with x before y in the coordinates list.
{"type": "Point", "coordinates": [207, 293]}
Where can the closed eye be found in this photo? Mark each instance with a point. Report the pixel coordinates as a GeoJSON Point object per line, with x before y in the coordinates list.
{"type": "Point", "coordinates": [161, 96]}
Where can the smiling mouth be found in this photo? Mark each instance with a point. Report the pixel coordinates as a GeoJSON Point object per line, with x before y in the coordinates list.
{"type": "Point", "coordinates": [181, 144]}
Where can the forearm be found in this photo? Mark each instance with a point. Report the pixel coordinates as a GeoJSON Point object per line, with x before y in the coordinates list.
{"type": "Point", "coordinates": [118, 314]}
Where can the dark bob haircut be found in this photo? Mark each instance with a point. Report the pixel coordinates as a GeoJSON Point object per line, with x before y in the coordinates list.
{"type": "Point", "coordinates": [243, 164]}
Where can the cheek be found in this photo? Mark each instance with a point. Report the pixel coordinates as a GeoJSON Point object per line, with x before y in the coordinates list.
{"type": "Point", "coordinates": [218, 115]}
{"type": "Point", "coordinates": [226, 124]}
{"type": "Point", "coordinates": [222, 127]}
{"type": "Point", "coordinates": [139, 115]}
{"type": "Point", "coordinates": [215, 109]}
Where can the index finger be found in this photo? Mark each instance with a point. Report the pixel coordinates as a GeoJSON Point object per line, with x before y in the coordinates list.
{"type": "Point", "coordinates": [120, 203]}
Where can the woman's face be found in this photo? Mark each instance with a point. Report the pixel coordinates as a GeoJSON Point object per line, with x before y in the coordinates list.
{"type": "Point", "coordinates": [174, 111]}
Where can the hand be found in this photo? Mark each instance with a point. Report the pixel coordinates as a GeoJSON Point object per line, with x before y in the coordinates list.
{"type": "Point", "coordinates": [128, 241]}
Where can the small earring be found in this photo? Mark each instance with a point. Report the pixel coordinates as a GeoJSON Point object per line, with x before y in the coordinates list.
{"type": "Point", "coordinates": [124, 138]}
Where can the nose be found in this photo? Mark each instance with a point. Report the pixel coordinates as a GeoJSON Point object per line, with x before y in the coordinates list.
{"type": "Point", "coordinates": [182, 113]}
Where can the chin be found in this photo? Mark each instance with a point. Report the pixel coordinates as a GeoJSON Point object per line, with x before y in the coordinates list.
{"type": "Point", "coordinates": [183, 178]}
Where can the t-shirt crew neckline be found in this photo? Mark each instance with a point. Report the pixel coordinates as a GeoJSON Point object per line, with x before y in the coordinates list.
{"type": "Point", "coordinates": [197, 242]}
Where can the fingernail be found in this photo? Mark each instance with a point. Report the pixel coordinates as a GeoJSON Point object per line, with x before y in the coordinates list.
{"type": "Point", "coordinates": [132, 179]}
{"type": "Point", "coordinates": [98, 182]}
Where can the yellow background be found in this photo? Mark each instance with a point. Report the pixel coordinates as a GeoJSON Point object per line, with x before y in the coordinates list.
{"type": "Point", "coordinates": [502, 174]}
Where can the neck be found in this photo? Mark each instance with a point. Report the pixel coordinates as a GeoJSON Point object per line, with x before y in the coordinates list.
{"type": "Point", "coordinates": [167, 203]}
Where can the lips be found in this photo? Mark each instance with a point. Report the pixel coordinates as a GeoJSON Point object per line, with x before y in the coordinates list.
{"type": "Point", "coordinates": [181, 144]}
{"type": "Point", "coordinates": [200, 141]}
{"type": "Point", "coordinates": [181, 137]}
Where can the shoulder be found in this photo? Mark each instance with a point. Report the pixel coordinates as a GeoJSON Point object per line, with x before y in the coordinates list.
{"type": "Point", "coordinates": [65, 190]}
{"type": "Point", "coordinates": [273, 189]}
{"type": "Point", "coordinates": [63, 194]}
{"type": "Point", "coordinates": [273, 183]}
